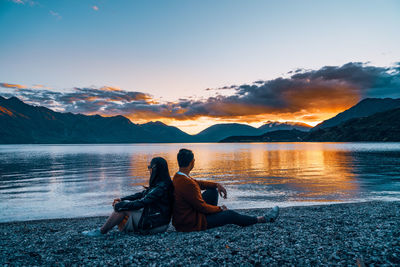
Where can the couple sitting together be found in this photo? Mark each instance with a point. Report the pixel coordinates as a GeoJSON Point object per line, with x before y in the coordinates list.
{"type": "Point", "coordinates": [150, 211]}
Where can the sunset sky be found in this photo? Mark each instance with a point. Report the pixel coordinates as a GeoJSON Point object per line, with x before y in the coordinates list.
{"type": "Point", "coordinates": [192, 64]}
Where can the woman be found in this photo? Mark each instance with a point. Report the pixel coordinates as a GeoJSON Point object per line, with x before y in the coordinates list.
{"type": "Point", "coordinates": [148, 211]}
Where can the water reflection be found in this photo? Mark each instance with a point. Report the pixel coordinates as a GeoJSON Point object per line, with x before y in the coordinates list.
{"type": "Point", "coordinates": [47, 181]}
{"type": "Point", "coordinates": [315, 174]}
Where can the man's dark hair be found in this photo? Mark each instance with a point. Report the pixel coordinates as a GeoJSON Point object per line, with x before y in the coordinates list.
{"type": "Point", "coordinates": [185, 156]}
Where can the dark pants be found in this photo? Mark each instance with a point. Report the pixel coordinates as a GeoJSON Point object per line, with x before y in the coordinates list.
{"type": "Point", "coordinates": [224, 217]}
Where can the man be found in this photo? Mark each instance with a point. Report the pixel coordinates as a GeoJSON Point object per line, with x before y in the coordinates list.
{"type": "Point", "coordinates": [194, 211]}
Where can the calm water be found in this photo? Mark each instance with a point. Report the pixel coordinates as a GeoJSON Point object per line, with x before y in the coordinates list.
{"type": "Point", "coordinates": [52, 181]}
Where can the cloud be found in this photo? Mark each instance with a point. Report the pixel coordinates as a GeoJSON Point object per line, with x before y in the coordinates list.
{"type": "Point", "coordinates": [10, 85]}
{"type": "Point", "coordinates": [23, 2]}
{"type": "Point", "coordinates": [79, 100]}
{"type": "Point", "coordinates": [306, 95]}
{"type": "Point", "coordinates": [95, 8]}
{"type": "Point", "coordinates": [55, 14]}
{"type": "Point", "coordinates": [330, 89]}
{"type": "Point", "coordinates": [40, 86]}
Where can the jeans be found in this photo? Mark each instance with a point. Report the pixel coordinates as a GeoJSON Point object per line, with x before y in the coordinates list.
{"type": "Point", "coordinates": [210, 196]}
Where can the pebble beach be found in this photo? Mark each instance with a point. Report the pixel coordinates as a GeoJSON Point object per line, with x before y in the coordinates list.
{"type": "Point", "coordinates": [350, 234]}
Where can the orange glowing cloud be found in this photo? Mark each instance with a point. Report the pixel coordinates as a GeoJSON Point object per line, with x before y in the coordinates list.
{"type": "Point", "coordinates": [10, 85]}
{"type": "Point", "coordinates": [109, 88]}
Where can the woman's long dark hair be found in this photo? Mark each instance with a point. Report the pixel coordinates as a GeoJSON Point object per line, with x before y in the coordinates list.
{"type": "Point", "coordinates": [160, 173]}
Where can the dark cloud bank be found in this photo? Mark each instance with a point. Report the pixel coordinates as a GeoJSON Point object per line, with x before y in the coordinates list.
{"type": "Point", "coordinates": [304, 92]}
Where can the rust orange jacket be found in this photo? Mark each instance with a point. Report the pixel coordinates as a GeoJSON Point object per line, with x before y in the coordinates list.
{"type": "Point", "coordinates": [190, 209]}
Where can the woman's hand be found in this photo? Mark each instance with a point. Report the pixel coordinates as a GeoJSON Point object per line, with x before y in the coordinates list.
{"type": "Point", "coordinates": [116, 201]}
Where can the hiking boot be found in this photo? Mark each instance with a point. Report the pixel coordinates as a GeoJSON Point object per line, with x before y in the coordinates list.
{"type": "Point", "coordinates": [92, 233]}
{"type": "Point", "coordinates": [272, 215]}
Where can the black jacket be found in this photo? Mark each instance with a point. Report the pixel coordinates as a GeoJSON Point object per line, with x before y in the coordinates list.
{"type": "Point", "coordinates": [156, 202]}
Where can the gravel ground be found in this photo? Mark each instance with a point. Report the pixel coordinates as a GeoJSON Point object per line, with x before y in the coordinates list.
{"type": "Point", "coordinates": [342, 234]}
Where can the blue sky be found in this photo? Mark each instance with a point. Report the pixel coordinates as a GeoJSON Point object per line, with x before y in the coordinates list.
{"type": "Point", "coordinates": [177, 49]}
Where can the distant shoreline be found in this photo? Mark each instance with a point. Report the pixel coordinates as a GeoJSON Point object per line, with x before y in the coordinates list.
{"type": "Point", "coordinates": [340, 234]}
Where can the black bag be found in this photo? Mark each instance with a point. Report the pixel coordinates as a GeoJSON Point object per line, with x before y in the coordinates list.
{"type": "Point", "coordinates": [151, 218]}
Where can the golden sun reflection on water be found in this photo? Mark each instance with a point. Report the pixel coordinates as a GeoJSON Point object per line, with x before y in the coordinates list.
{"type": "Point", "coordinates": [308, 171]}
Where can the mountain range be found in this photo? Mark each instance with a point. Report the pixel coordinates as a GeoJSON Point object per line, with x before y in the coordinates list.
{"type": "Point", "coordinates": [364, 108]}
{"type": "Point", "coordinates": [371, 119]}
{"type": "Point", "coordinates": [381, 126]}
{"type": "Point", "coordinates": [218, 132]}
{"type": "Point", "coordinates": [23, 123]}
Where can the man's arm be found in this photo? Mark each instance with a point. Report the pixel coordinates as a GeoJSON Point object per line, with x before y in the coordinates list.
{"type": "Point", "coordinates": [192, 194]}
{"type": "Point", "coordinates": [205, 184]}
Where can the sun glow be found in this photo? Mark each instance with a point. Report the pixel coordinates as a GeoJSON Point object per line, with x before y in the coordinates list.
{"type": "Point", "coordinates": [196, 125]}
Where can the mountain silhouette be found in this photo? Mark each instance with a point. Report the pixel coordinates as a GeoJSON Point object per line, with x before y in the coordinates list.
{"type": "Point", "coordinates": [166, 133]}
{"type": "Point", "coordinates": [382, 126]}
{"type": "Point", "coordinates": [23, 123]}
{"type": "Point", "coordinates": [372, 119]}
{"type": "Point", "coordinates": [275, 126]}
{"type": "Point", "coordinates": [218, 132]}
{"type": "Point", "coordinates": [364, 108]}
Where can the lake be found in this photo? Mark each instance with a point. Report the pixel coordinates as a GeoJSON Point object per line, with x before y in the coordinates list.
{"type": "Point", "coordinates": [61, 181]}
